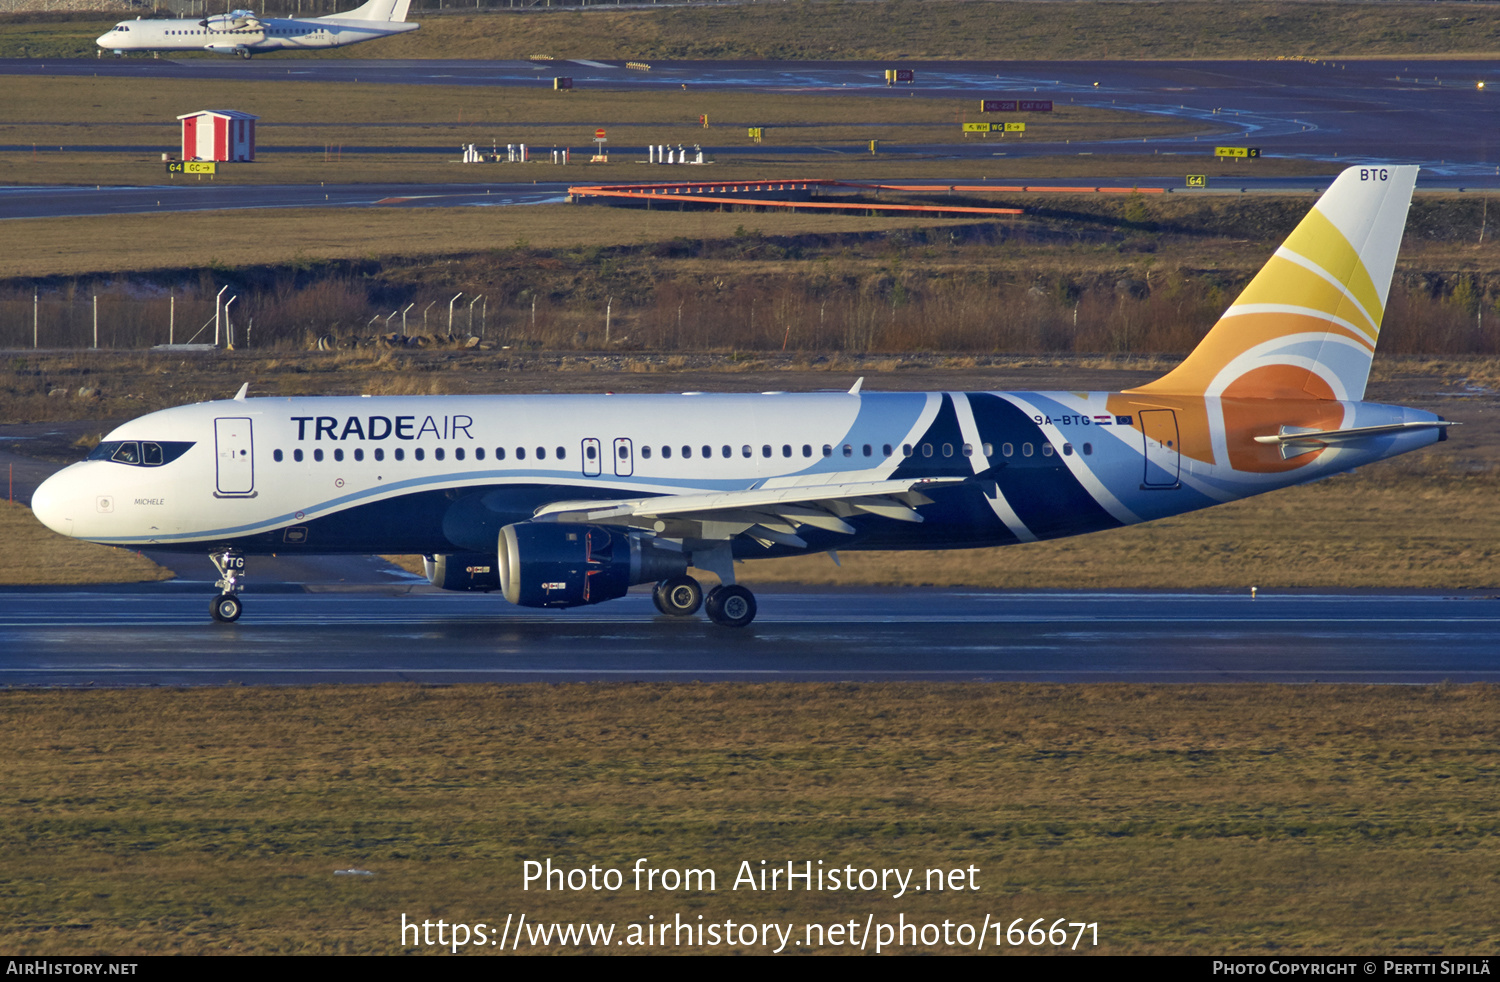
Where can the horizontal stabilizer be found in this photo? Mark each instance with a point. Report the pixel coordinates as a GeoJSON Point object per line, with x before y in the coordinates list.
{"type": "Point", "coordinates": [1298, 440]}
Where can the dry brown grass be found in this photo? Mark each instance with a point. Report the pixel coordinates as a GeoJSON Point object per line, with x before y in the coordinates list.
{"type": "Point", "coordinates": [125, 243]}
{"type": "Point", "coordinates": [1288, 820]}
{"type": "Point", "coordinates": [31, 553]}
{"type": "Point", "coordinates": [1340, 534]}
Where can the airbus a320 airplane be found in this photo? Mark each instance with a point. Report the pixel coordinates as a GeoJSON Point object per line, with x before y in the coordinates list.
{"type": "Point", "coordinates": [565, 500]}
{"type": "Point", "coordinates": [242, 33]}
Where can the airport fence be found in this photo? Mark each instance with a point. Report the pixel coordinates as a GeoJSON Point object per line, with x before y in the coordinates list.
{"type": "Point", "coordinates": [872, 314]}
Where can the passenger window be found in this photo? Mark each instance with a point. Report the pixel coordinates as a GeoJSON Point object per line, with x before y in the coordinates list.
{"type": "Point", "coordinates": [1026, 450]}
{"type": "Point", "coordinates": [765, 450]}
{"type": "Point", "coordinates": [989, 450]}
{"type": "Point", "coordinates": [745, 450]}
{"type": "Point", "coordinates": [926, 450]}
{"type": "Point", "coordinates": [520, 453]}
{"type": "Point", "coordinates": [968, 450]}
{"type": "Point", "coordinates": [1088, 449]}
{"type": "Point", "coordinates": [500, 453]}
{"type": "Point", "coordinates": [338, 455]}
{"type": "Point", "coordinates": [318, 456]}
{"type": "Point", "coordinates": [827, 450]}
{"type": "Point", "coordinates": [458, 453]}
{"type": "Point", "coordinates": [297, 455]}
{"type": "Point", "coordinates": [438, 453]}
{"type": "Point", "coordinates": [886, 449]}
{"type": "Point", "coordinates": [359, 454]}
{"type": "Point", "coordinates": [947, 450]}
{"type": "Point", "coordinates": [726, 452]}
{"type": "Point", "coordinates": [478, 453]}
{"type": "Point", "coordinates": [541, 453]}
{"type": "Point", "coordinates": [807, 450]}
{"type": "Point", "coordinates": [379, 454]}
{"type": "Point", "coordinates": [869, 450]}
{"type": "Point", "coordinates": [1007, 449]}
{"type": "Point", "coordinates": [1067, 449]}
{"type": "Point", "coordinates": [906, 450]}
{"type": "Point", "coordinates": [687, 452]}
{"type": "Point", "coordinates": [666, 452]}
{"type": "Point", "coordinates": [562, 453]}
{"type": "Point", "coordinates": [588, 452]}
{"type": "Point", "coordinates": [276, 456]}
{"type": "Point", "coordinates": [420, 454]}
{"type": "Point", "coordinates": [645, 452]}
{"type": "Point", "coordinates": [1047, 450]}
{"type": "Point", "coordinates": [848, 450]}
{"type": "Point", "coordinates": [400, 453]}
{"type": "Point", "coordinates": [786, 449]}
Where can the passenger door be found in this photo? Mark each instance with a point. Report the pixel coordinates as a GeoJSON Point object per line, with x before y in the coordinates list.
{"type": "Point", "coordinates": [234, 449]}
{"type": "Point", "coordinates": [1163, 456]}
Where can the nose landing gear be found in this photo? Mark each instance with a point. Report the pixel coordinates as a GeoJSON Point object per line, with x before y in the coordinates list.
{"type": "Point", "coordinates": [226, 607]}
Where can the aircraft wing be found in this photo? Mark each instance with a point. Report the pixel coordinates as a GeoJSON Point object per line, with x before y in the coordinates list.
{"type": "Point", "coordinates": [771, 516]}
{"type": "Point", "coordinates": [237, 20]}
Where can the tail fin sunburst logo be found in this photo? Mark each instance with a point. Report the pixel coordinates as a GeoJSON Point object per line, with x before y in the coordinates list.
{"type": "Point", "coordinates": [1306, 326]}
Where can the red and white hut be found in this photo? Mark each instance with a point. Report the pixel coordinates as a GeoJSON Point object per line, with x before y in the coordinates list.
{"type": "Point", "coordinates": [218, 134]}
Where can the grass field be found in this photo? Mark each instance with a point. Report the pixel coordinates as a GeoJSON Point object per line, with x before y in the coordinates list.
{"type": "Point", "coordinates": [54, 114]}
{"type": "Point", "coordinates": [1182, 820]}
{"type": "Point", "coordinates": [31, 553]}
{"type": "Point", "coordinates": [899, 29]}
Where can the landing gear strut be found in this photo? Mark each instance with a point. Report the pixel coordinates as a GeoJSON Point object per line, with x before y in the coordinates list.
{"type": "Point", "coordinates": [226, 608]}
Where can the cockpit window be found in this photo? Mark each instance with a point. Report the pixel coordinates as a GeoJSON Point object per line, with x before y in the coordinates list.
{"type": "Point", "coordinates": [140, 453]}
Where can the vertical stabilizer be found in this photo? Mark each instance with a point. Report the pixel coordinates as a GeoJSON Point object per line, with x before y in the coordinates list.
{"type": "Point", "coordinates": [383, 11]}
{"type": "Point", "coordinates": [1306, 326]}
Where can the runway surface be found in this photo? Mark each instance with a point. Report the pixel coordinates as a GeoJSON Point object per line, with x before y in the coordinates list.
{"type": "Point", "coordinates": [161, 635]}
{"type": "Point", "coordinates": [1426, 112]}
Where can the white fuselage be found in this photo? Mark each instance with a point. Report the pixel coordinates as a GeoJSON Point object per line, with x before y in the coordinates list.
{"type": "Point", "coordinates": [385, 474]}
{"type": "Point", "coordinates": [267, 34]}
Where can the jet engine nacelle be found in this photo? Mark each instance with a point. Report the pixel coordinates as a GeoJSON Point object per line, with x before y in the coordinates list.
{"type": "Point", "coordinates": [462, 571]}
{"type": "Point", "coordinates": [551, 565]}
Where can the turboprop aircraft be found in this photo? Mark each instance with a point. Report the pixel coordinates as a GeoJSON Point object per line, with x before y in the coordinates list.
{"type": "Point", "coordinates": [241, 32]}
{"type": "Point", "coordinates": [566, 500]}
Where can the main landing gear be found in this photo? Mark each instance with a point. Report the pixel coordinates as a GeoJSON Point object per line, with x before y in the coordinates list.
{"type": "Point", "coordinates": [681, 596]}
{"type": "Point", "coordinates": [226, 608]}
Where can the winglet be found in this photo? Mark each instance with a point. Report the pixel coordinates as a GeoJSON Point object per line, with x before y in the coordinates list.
{"type": "Point", "coordinates": [240, 395]}
{"type": "Point", "coordinates": [854, 389]}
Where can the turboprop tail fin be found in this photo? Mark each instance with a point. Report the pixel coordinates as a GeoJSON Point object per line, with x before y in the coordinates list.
{"type": "Point", "coordinates": [1306, 326]}
{"type": "Point", "coordinates": [377, 10]}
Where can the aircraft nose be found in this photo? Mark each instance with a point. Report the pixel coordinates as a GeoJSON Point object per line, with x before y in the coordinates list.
{"type": "Point", "coordinates": [52, 503]}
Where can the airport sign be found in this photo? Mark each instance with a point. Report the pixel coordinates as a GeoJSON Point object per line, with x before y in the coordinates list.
{"type": "Point", "coordinates": [1015, 127]}
{"type": "Point", "coordinates": [1197, 180]}
{"type": "Point", "coordinates": [1015, 105]}
{"type": "Point", "coordinates": [1237, 152]}
{"type": "Point", "coordinates": [192, 167]}
{"type": "Point", "coordinates": [976, 127]}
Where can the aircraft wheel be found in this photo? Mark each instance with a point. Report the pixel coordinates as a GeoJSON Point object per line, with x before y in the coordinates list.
{"type": "Point", "coordinates": [661, 607]}
{"type": "Point", "coordinates": [226, 608]}
{"type": "Point", "coordinates": [731, 606]}
{"type": "Point", "coordinates": [680, 596]}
